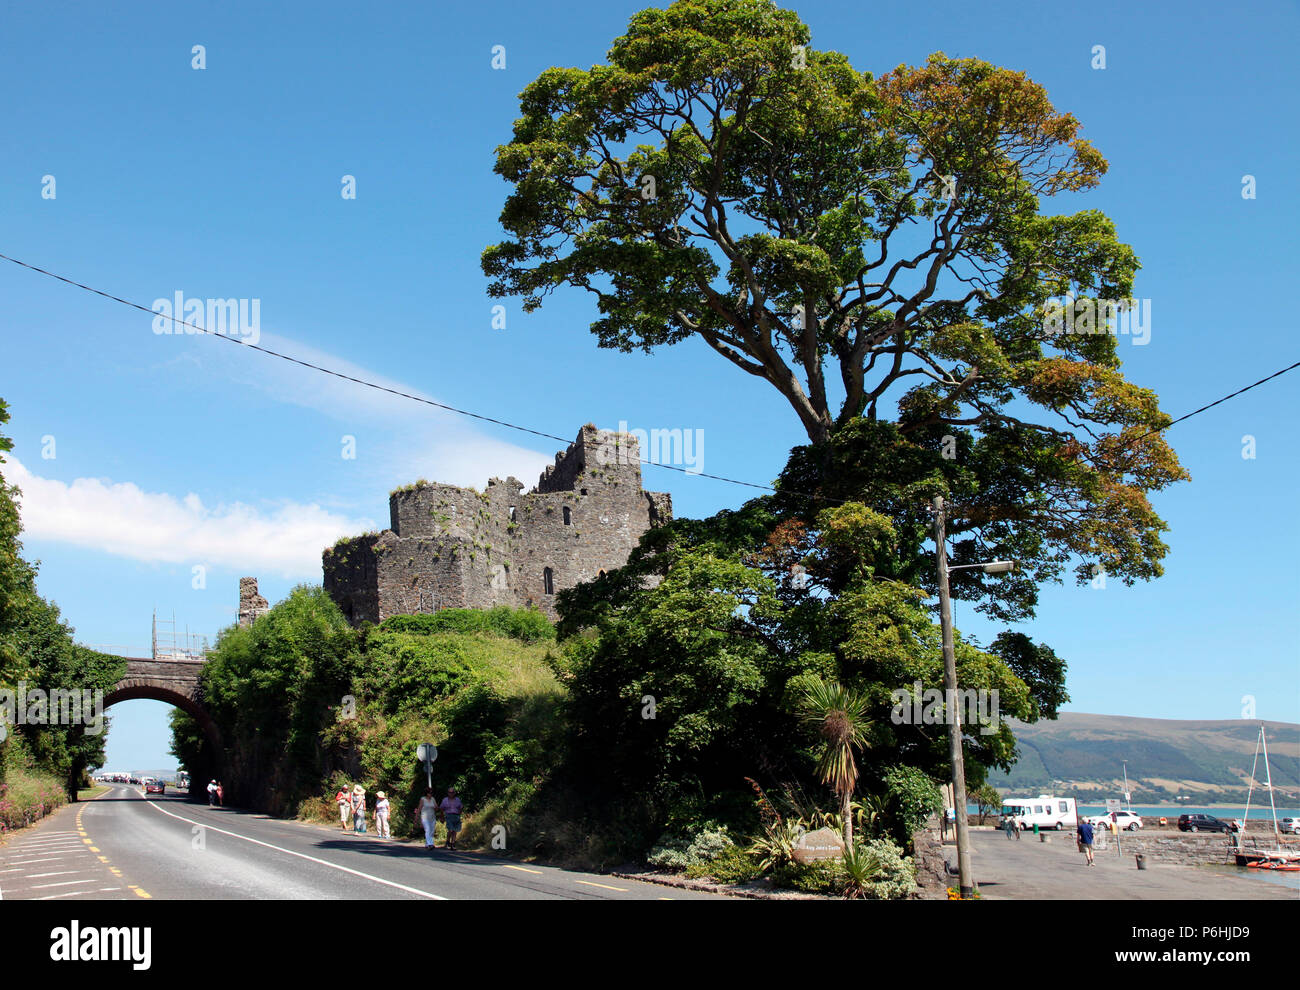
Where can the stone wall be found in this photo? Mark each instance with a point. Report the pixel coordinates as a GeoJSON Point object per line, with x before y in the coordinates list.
{"type": "Point", "coordinates": [457, 547]}
{"type": "Point", "coordinates": [1188, 848]}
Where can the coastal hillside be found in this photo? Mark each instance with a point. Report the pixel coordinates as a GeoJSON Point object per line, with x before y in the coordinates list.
{"type": "Point", "coordinates": [1206, 761]}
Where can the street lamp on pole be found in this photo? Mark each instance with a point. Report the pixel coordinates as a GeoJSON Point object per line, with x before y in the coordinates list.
{"type": "Point", "coordinates": [950, 687]}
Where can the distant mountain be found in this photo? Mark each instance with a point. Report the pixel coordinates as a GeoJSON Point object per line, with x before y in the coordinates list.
{"type": "Point", "coordinates": [1210, 761]}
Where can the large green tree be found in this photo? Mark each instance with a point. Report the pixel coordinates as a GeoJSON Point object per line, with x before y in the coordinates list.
{"type": "Point", "coordinates": [15, 572]}
{"type": "Point", "coordinates": [707, 621]}
{"type": "Point", "coordinates": [38, 650]}
{"type": "Point", "coordinates": [873, 247]}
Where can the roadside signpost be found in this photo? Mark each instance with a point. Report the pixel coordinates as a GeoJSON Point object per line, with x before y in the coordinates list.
{"type": "Point", "coordinates": [1113, 805]}
{"type": "Point", "coordinates": [426, 754]}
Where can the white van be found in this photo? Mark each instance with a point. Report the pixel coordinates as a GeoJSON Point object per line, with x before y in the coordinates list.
{"type": "Point", "coordinates": [1045, 811]}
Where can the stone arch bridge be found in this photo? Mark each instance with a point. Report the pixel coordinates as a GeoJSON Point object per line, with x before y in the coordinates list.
{"type": "Point", "coordinates": [171, 675]}
{"type": "Point", "coordinates": [171, 680]}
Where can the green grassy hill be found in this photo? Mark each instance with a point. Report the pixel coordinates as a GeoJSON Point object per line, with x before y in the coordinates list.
{"type": "Point", "coordinates": [1208, 760]}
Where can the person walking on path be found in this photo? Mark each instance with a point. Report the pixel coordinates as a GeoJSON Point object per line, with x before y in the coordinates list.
{"type": "Point", "coordinates": [381, 815]}
{"type": "Point", "coordinates": [344, 800]}
{"type": "Point", "coordinates": [451, 809]}
{"type": "Point", "coordinates": [428, 815]}
{"type": "Point", "coordinates": [359, 809]}
{"type": "Point", "coordinates": [221, 794]}
{"type": "Point", "coordinates": [212, 793]}
{"type": "Point", "coordinates": [1009, 826]}
{"type": "Point", "coordinates": [1085, 841]}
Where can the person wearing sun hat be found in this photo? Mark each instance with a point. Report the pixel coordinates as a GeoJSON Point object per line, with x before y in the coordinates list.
{"type": "Point", "coordinates": [358, 809]}
{"type": "Point", "coordinates": [344, 800]}
{"type": "Point", "coordinates": [381, 815]}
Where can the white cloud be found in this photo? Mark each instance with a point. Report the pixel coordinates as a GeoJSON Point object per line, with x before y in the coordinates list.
{"type": "Point", "coordinates": [403, 441]}
{"type": "Point", "coordinates": [121, 519]}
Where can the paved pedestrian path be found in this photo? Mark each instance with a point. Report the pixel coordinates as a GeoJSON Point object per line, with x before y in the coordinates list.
{"type": "Point", "coordinates": [1005, 869]}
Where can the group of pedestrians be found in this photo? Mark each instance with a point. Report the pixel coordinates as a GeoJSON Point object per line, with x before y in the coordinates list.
{"type": "Point", "coordinates": [428, 810]}
{"type": "Point", "coordinates": [216, 794]}
{"type": "Point", "coordinates": [1084, 830]}
{"type": "Point", "coordinates": [352, 812]}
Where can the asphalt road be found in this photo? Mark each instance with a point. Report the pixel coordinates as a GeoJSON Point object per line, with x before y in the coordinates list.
{"type": "Point", "coordinates": [123, 846]}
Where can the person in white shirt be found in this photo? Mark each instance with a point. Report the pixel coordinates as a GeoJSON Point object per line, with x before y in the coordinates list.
{"type": "Point", "coordinates": [381, 815]}
{"type": "Point", "coordinates": [428, 813]}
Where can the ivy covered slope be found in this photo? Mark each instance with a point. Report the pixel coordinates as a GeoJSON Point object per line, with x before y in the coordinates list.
{"type": "Point", "coordinates": [305, 702]}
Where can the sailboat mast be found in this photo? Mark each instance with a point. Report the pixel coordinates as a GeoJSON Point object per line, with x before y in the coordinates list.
{"type": "Point", "coordinates": [1277, 836]}
{"type": "Point", "coordinates": [1241, 838]}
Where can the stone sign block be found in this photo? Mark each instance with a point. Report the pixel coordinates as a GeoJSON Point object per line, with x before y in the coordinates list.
{"type": "Point", "coordinates": [821, 844]}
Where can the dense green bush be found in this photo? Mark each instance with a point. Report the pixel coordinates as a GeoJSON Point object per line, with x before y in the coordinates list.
{"type": "Point", "coordinates": [527, 625]}
{"type": "Point", "coordinates": [888, 874]}
{"type": "Point", "coordinates": [732, 865]}
{"type": "Point", "coordinates": [876, 870]}
{"type": "Point", "coordinates": [912, 797]}
{"type": "Point", "coordinates": [678, 852]}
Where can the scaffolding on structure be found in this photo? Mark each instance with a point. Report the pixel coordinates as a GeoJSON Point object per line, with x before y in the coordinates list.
{"type": "Point", "coordinates": [169, 643]}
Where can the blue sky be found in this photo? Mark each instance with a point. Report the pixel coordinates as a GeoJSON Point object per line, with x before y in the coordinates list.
{"type": "Point", "coordinates": [177, 451]}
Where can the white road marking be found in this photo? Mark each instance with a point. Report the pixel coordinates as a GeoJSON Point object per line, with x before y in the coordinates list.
{"type": "Point", "coordinates": [290, 852]}
{"type": "Point", "coordinates": [21, 862]}
{"type": "Point", "coordinates": [49, 842]}
{"type": "Point", "coordinates": [57, 873]}
{"type": "Point", "coordinates": [65, 883]}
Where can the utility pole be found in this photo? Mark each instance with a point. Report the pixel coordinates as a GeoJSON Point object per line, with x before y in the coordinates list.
{"type": "Point", "coordinates": [954, 712]}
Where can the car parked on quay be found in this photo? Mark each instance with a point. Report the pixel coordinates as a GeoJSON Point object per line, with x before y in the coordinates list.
{"type": "Point", "coordinates": [1205, 823]}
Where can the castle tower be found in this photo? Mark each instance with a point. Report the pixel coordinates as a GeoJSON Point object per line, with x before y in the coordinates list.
{"type": "Point", "coordinates": [251, 604]}
{"type": "Point", "coordinates": [451, 547]}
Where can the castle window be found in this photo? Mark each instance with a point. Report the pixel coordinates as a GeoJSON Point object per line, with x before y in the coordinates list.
{"type": "Point", "coordinates": [568, 519]}
{"type": "Point", "coordinates": [584, 491]}
{"type": "Point", "coordinates": [512, 513]}
{"type": "Point", "coordinates": [548, 581]}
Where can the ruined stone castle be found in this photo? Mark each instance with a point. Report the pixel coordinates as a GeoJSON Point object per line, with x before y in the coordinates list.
{"type": "Point", "coordinates": [450, 547]}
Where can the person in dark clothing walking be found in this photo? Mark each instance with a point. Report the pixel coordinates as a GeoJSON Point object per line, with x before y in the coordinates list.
{"type": "Point", "coordinates": [1085, 841]}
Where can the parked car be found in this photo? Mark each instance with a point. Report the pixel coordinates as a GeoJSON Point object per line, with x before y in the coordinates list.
{"type": "Point", "coordinates": [155, 787]}
{"type": "Point", "coordinates": [1126, 820]}
{"type": "Point", "coordinates": [1291, 826]}
{"type": "Point", "coordinates": [1204, 823]}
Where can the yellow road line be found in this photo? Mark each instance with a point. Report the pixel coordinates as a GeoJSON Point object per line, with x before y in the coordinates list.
{"type": "Point", "coordinates": [605, 885]}
{"type": "Point", "coordinates": [522, 869]}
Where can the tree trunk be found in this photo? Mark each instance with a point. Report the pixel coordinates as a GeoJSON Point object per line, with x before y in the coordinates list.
{"type": "Point", "coordinates": [845, 800]}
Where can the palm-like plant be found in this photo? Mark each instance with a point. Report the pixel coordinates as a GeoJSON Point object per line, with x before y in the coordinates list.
{"type": "Point", "coordinates": [776, 846]}
{"type": "Point", "coordinates": [839, 715]}
{"type": "Point", "coordinates": [861, 867]}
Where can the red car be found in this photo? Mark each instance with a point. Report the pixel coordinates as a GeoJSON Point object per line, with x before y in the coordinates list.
{"type": "Point", "coordinates": [155, 787]}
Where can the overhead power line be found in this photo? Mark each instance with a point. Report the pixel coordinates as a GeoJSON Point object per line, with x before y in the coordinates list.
{"type": "Point", "coordinates": [515, 426]}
